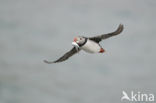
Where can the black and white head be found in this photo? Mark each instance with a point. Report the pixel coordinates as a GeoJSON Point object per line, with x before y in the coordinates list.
{"type": "Point", "coordinates": [79, 41]}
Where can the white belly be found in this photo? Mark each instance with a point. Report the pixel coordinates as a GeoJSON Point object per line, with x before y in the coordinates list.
{"type": "Point", "coordinates": [91, 47]}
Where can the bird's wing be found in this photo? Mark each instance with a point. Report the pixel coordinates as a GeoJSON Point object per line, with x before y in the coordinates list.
{"type": "Point", "coordinates": [65, 56]}
{"type": "Point", "coordinates": [105, 36]}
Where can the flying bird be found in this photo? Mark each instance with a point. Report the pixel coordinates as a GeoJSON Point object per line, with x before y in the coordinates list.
{"type": "Point", "coordinates": [88, 44]}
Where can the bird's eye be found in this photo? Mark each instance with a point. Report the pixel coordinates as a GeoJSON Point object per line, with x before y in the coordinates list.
{"type": "Point", "coordinates": [80, 38]}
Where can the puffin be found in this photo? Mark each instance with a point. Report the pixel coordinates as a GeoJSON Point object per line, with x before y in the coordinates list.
{"type": "Point", "coordinates": [88, 44]}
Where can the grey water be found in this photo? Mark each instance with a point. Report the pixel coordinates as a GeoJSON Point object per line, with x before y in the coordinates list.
{"type": "Point", "coordinates": [34, 30]}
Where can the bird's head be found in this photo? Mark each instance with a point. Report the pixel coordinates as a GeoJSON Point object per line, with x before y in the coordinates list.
{"type": "Point", "coordinates": [79, 40]}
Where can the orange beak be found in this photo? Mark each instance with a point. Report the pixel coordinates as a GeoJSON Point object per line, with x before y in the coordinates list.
{"type": "Point", "coordinates": [75, 39]}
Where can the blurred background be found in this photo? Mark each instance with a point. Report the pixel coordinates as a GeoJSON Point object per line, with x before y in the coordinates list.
{"type": "Point", "coordinates": [34, 30]}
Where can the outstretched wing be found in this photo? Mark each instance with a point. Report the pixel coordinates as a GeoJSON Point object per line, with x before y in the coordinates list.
{"type": "Point", "coordinates": [105, 36]}
{"type": "Point", "coordinates": [65, 56]}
